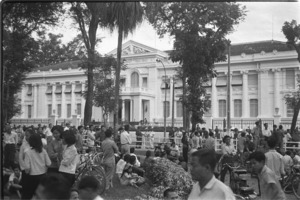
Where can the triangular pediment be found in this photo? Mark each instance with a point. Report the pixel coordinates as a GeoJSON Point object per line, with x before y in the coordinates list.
{"type": "Point", "coordinates": [133, 48]}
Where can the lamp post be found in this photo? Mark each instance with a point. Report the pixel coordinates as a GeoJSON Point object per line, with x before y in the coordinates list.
{"type": "Point", "coordinates": [228, 89]}
{"type": "Point", "coordinates": [165, 107]}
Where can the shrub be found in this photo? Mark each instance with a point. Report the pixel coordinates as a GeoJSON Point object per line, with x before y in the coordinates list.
{"type": "Point", "coordinates": [163, 174]}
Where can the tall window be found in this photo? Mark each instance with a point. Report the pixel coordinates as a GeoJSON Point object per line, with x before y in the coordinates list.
{"type": "Point", "coordinates": [78, 109]}
{"type": "Point", "coordinates": [134, 79]}
{"type": "Point", "coordinates": [237, 108]}
{"type": "Point", "coordinates": [29, 111]}
{"type": "Point", "coordinates": [253, 80]}
{"type": "Point", "coordinates": [49, 110]}
{"type": "Point", "coordinates": [289, 111]}
{"type": "Point", "coordinates": [122, 82]}
{"type": "Point", "coordinates": [167, 104]}
{"type": "Point", "coordinates": [145, 82]}
{"type": "Point", "coordinates": [29, 91]}
{"type": "Point", "coordinates": [68, 110]}
{"type": "Point", "coordinates": [59, 110]}
{"type": "Point", "coordinates": [222, 108]}
{"type": "Point", "coordinates": [290, 78]}
{"type": "Point", "coordinates": [179, 109]}
{"type": "Point", "coordinates": [253, 107]}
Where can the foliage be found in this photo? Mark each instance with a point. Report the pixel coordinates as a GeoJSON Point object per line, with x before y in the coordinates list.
{"type": "Point", "coordinates": [123, 16]}
{"type": "Point", "coordinates": [291, 30]}
{"type": "Point", "coordinates": [199, 30]}
{"type": "Point", "coordinates": [89, 16]}
{"type": "Point", "coordinates": [164, 174]}
{"type": "Point", "coordinates": [20, 21]}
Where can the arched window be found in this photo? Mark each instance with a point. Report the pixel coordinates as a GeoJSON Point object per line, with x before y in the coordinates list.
{"type": "Point", "coordinates": [134, 80]}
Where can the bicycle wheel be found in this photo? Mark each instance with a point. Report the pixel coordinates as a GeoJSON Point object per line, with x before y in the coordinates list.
{"type": "Point", "coordinates": [98, 172]}
{"type": "Point", "coordinates": [296, 185]}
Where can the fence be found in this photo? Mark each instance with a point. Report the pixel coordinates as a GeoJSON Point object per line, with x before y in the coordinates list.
{"type": "Point", "coordinates": [240, 123]}
{"type": "Point", "coordinates": [28, 122]}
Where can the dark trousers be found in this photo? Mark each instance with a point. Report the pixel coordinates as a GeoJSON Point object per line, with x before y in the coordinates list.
{"type": "Point", "coordinates": [138, 171]}
{"type": "Point", "coordinates": [52, 170]}
{"type": "Point", "coordinates": [70, 177]}
{"type": "Point", "coordinates": [30, 184]}
{"type": "Point", "coordinates": [139, 141]}
{"type": "Point", "coordinates": [9, 155]}
{"type": "Point", "coordinates": [185, 150]}
{"type": "Point", "coordinates": [224, 170]}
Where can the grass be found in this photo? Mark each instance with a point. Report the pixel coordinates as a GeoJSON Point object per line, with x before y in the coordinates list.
{"type": "Point", "coordinates": [124, 192]}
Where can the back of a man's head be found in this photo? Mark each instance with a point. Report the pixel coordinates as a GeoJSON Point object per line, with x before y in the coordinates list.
{"type": "Point", "coordinates": [206, 156]}
{"type": "Point", "coordinates": [53, 186]}
{"type": "Point", "coordinates": [272, 141]}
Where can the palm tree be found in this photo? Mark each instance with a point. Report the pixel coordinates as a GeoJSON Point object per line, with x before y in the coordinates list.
{"type": "Point", "coordinates": [123, 16]}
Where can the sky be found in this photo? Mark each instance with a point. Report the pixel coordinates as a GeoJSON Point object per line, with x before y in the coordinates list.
{"type": "Point", "coordinates": [263, 21]}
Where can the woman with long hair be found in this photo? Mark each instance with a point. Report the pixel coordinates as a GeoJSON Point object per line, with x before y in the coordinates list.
{"type": "Point", "coordinates": [36, 163]}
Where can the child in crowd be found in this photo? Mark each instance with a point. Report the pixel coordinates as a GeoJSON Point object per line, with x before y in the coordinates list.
{"type": "Point", "coordinates": [287, 161]}
{"type": "Point", "coordinates": [14, 180]}
{"type": "Point", "coordinates": [269, 184]}
{"type": "Point", "coordinates": [88, 188]}
{"type": "Point", "coordinates": [74, 194]}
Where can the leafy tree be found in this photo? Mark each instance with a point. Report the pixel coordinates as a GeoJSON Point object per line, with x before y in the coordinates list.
{"type": "Point", "coordinates": [124, 16]}
{"type": "Point", "coordinates": [104, 87]}
{"type": "Point", "coordinates": [291, 30]}
{"type": "Point", "coordinates": [89, 16]}
{"type": "Point", "coordinates": [199, 30]}
{"type": "Point", "coordinates": [20, 21]}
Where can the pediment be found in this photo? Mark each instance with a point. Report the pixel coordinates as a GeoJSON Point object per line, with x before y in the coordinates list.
{"type": "Point", "coordinates": [133, 48]}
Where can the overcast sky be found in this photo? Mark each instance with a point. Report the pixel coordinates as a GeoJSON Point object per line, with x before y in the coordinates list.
{"type": "Point", "coordinates": [257, 26]}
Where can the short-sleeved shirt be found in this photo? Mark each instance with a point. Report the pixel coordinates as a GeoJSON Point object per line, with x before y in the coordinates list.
{"type": "Point", "coordinates": [275, 163]}
{"type": "Point", "coordinates": [214, 189]}
{"type": "Point", "coordinates": [11, 138]}
{"type": "Point", "coordinates": [268, 177]}
{"type": "Point", "coordinates": [37, 163]}
{"type": "Point", "coordinates": [109, 148]}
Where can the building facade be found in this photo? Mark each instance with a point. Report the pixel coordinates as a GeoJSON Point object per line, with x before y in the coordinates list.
{"type": "Point", "coordinates": [261, 74]}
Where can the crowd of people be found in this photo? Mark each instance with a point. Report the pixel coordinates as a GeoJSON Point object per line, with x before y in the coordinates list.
{"type": "Point", "coordinates": [48, 155]}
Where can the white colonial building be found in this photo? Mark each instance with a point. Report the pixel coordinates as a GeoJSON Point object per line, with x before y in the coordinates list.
{"type": "Point", "coordinates": [261, 74]}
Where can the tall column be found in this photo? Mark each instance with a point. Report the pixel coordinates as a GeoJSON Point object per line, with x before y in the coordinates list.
{"type": "Point", "coordinates": [131, 110]}
{"type": "Point", "coordinates": [63, 101]}
{"type": "Point", "coordinates": [35, 104]}
{"type": "Point", "coordinates": [73, 105]}
{"type": "Point", "coordinates": [276, 91]}
{"type": "Point", "coordinates": [263, 93]}
{"type": "Point", "coordinates": [23, 96]}
{"type": "Point", "coordinates": [170, 96]}
{"type": "Point", "coordinates": [42, 102]}
{"type": "Point", "coordinates": [214, 98]}
{"type": "Point", "coordinates": [82, 100]}
{"type": "Point", "coordinates": [54, 110]}
{"type": "Point", "coordinates": [245, 100]}
{"type": "Point", "coordinates": [123, 109]}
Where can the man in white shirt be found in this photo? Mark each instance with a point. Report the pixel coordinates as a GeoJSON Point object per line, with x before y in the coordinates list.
{"type": "Point", "coordinates": [207, 186]}
{"type": "Point", "coordinates": [48, 130]}
{"type": "Point", "coordinates": [67, 126]}
{"type": "Point", "coordinates": [125, 140]}
{"type": "Point", "coordinates": [274, 159]}
{"type": "Point", "coordinates": [10, 141]}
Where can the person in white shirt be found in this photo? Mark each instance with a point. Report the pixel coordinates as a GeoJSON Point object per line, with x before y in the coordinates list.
{"type": "Point", "coordinates": [67, 126]}
{"type": "Point", "coordinates": [48, 132]}
{"type": "Point", "coordinates": [88, 188]}
{"type": "Point", "coordinates": [274, 159]}
{"type": "Point", "coordinates": [125, 140]}
{"type": "Point", "coordinates": [69, 157]}
{"type": "Point", "coordinates": [36, 163]}
{"type": "Point", "coordinates": [266, 132]}
{"type": "Point", "coordinates": [206, 186]}
{"type": "Point", "coordinates": [178, 136]}
{"type": "Point", "coordinates": [10, 141]}
{"type": "Point", "coordinates": [90, 138]}
{"type": "Point", "coordinates": [287, 161]}
{"type": "Point", "coordinates": [296, 158]}
{"type": "Point", "coordinates": [121, 164]}
{"type": "Point", "coordinates": [228, 151]}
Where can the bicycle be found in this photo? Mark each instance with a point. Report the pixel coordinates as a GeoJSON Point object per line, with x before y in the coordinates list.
{"type": "Point", "coordinates": [90, 164]}
{"type": "Point", "coordinates": [286, 182]}
{"type": "Point", "coordinates": [238, 185]}
{"type": "Point", "coordinates": [295, 182]}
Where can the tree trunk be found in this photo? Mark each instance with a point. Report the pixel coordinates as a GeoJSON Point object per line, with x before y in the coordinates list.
{"type": "Point", "coordinates": [89, 98]}
{"type": "Point", "coordinates": [183, 105]}
{"type": "Point", "coordinates": [295, 117]}
{"type": "Point", "coordinates": [117, 81]}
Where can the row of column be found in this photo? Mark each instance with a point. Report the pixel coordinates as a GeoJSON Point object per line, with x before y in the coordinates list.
{"type": "Point", "coordinates": [40, 101]}
{"type": "Point", "coordinates": [262, 94]}
{"type": "Point", "coordinates": [124, 110]}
